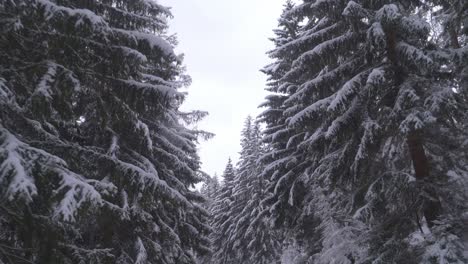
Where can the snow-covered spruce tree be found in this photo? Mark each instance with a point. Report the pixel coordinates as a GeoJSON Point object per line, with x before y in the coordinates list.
{"type": "Point", "coordinates": [209, 190]}
{"type": "Point", "coordinates": [277, 133]}
{"type": "Point", "coordinates": [253, 240]}
{"type": "Point", "coordinates": [448, 32]}
{"type": "Point", "coordinates": [222, 218]}
{"type": "Point", "coordinates": [245, 236]}
{"type": "Point", "coordinates": [95, 159]}
{"type": "Point", "coordinates": [378, 135]}
{"type": "Point", "coordinates": [293, 38]}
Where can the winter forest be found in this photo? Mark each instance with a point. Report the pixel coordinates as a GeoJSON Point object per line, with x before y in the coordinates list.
{"type": "Point", "coordinates": [359, 154]}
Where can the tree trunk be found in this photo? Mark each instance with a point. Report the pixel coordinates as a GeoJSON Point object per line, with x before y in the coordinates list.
{"type": "Point", "coordinates": [432, 206]}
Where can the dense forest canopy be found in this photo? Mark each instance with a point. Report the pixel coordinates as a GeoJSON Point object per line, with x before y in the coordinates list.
{"type": "Point", "coordinates": [360, 153]}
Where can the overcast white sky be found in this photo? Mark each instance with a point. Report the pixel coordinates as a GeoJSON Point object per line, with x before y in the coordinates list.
{"type": "Point", "coordinates": [224, 43]}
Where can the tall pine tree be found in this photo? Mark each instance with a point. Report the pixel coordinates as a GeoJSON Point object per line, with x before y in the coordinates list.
{"type": "Point", "coordinates": [253, 240]}
{"type": "Point", "coordinates": [246, 235]}
{"type": "Point", "coordinates": [96, 162]}
{"type": "Point", "coordinates": [377, 143]}
{"type": "Point", "coordinates": [222, 218]}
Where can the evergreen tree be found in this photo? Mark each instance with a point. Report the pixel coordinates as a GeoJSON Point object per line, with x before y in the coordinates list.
{"type": "Point", "coordinates": [222, 217]}
{"type": "Point", "coordinates": [253, 240]}
{"type": "Point", "coordinates": [246, 236]}
{"type": "Point", "coordinates": [209, 190]}
{"type": "Point", "coordinates": [277, 133]}
{"type": "Point", "coordinates": [96, 162]}
{"type": "Point", "coordinates": [375, 130]}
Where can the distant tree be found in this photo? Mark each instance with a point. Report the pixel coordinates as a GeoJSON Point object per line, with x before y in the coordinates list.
{"type": "Point", "coordinates": [96, 161]}
{"type": "Point", "coordinates": [254, 242]}
{"type": "Point", "coordinates": [222, 217]}
{"type": "Point", "coordinates": [244, 234]}
{"type": "Point", "coordinates": [210, 189]}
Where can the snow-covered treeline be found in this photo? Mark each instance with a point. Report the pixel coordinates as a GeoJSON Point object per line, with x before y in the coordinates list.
{"type": "Point", "coordinates": [360, 155]}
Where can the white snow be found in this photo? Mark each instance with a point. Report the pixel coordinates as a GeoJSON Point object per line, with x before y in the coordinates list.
{"type": "Point", "coordinates": [83, 15]}
{"type": "Point", "coordinates": [129, 52]}
{"type": "Point", "coordinates": [354, 9]}
{"type": "Point", "coordinates": [114, 147]}
{"type": "Point", "coordinates": [388, 12]}
{"type": "Point", "coordinates": [377, 76]}
{"type": "Point", "coordinates": [162, 89]}
{"type": "Point", "coordinates": [341, 120]}
{"type": "Point", "coordinates": [5, 92]}
{"type": "Point", "coordinates": [44, 86]}
{"type": "Point", "coordinates": [311, 109]}
{"type": "Point", "coordinates": [416, 55]}
{"type": "Point", "coordinates": [140, 125]}
{"type": "Point", "coordinates": [22, 183]}
{"type": "Point", "coordinates": [415, 24]}
{"type": "Point", "coordinates": [377, 35]}
{"type": "Point", "coordinates": [142, 255]}
{"type": "Point", "coordinates": [323, 47]}
{"type": "Point", "coordinates": [77, 192]}
{"type": "Point", "coordinates": [348, 89]}
{"type": "Point", "coordinates": [151, 39]}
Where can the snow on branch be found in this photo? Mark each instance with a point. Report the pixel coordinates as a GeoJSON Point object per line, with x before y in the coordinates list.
{"type": "Point", "coordinates": [307, 39]}
{"type": "Point", "coordinates": [318, 106]}
{"type": "Point", "coordinates": [377, 36]}
{"type": "Point", "coordinates": [325, 48]}
{"type": "Point", "coordinates": [86, 16]}
{"type": "Point", "coordinates": [388, 13]}
{"type": "Point", "coordinates": [341, 121]}
{"type": "Point", "coordinates": [140, 125]}
{"type": "Point", "coordinates": [371, 128]}
{"type": "Point", "coordinates": [77, 192]}
{"type": "Point", "coordinates": [43, 88]}
{"type": "Point", "coordinates": [5, 92]}
{"type": "Point", "coordinates": [354, 9]}
{"type": "Point", "coordinates": [347, 91]}
{"type": "Point", "coordinates": [414, 55]}
{"type": "Point", "coordinates": [161, 89]}
{"type": "Point", "coordinates": [376, 77]}
{"type": "Point", "coordinates": [15, 166]}
{"type": "Point", "coordinates": [150, 39]}
{"type": "Point", "coordinates": [415, 25]}
{"type": "Point", "coordinates": [416, 121]}
{"type": "Point", "coordinates": [142, 255]}
{"type": "Point", "coordinates": [82, 15]}
{"type": "Point", "coordinates": [149, 179]}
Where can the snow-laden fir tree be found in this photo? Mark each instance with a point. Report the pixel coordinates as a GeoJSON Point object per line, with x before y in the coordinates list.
{"type": "Point", "coordinates": [246, 234]}
{"type": "Point", "coordinates": [277, 133]}
{"type": "Point", "coordinates": [209, 190]}
{"type": "Point", "coordinates": [449, 32]}
{"type": "Point", "coordinates": [254, 240]}
{"type": "Point", "coordinates": [96, 162]}
{"type": "Point", "coordinates": [378, 149]}
{"type": "Point", "coordinates": [222, 218]}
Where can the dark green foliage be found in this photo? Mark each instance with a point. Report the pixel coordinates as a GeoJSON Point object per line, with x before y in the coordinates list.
{"type": "Point", "coordinates": [244, 234]}
{"type": "Point", "coordinates": [96, 161]}
{"type": "Point", "coordinates": [367, 134]}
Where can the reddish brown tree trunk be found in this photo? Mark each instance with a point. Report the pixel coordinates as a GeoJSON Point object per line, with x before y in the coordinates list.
{"type": "Point", "coordinates": [414, 140]}
{"type": "Point", "coordinates": [432, 205]}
